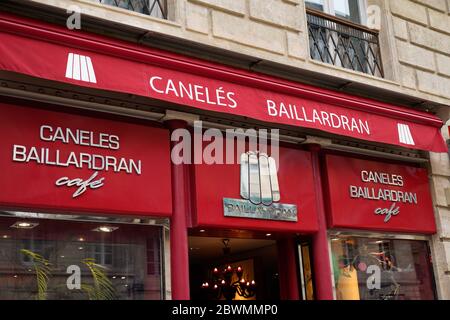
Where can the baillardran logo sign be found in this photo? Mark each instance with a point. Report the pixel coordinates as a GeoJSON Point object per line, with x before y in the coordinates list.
{"type": "Point", "coordinates": [65, 161]}
{"type": "Point", "coordinates": [381, 196]}
{"type": "Point", "coordinates": [260, 191]}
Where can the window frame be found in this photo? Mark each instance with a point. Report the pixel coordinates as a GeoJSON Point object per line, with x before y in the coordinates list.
{"type": "Point", "coordinates": [328, 8]}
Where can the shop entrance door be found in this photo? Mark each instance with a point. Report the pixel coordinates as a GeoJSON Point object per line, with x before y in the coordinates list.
{"type": "Point", "coordinates": [305, 269]}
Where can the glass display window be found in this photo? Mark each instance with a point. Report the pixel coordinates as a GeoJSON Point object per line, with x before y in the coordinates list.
{"type": "Point", "coordinates": [367, 268]}
{"type": "Point", "coordinates": [48, 259]}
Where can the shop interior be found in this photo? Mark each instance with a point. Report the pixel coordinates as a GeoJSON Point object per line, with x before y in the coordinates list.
{"type": "Point", "coordinates": [100, 259]}
{"type": "Point", "coordinates": [233, 268]}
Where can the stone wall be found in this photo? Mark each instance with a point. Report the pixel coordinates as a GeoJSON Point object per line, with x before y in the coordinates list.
{"type": "Point", "coordinates": [440, 184]}
{"type": "Point", "coordinates": [422, 36]}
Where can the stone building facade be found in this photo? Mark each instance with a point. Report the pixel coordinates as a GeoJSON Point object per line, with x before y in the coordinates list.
{"type": "Point", "coordinates": [272, 37]}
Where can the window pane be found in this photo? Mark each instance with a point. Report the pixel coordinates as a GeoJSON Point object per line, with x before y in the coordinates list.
{"type": "Point", "coordinates": [118, 260]}
{"type": "Point", "coordinates": [155, 8]}
{"type": "Point", "coordinates": [316, 4]}
{"type": "Point", "coordinates": [347, 9]}
{"type": "Point", "coordinates": [379, 269]}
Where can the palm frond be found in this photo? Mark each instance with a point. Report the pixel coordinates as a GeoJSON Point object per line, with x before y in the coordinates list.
{"type": "Point", "coordinates": [42, 269]}
{"type": "Point", "coordinates": [103, 288]}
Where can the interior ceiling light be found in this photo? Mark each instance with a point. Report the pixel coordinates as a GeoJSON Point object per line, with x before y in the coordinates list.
{"type": "Point", "coordinates": [106, 229]}
{"type": "Point", "coordinates": [24, 225]}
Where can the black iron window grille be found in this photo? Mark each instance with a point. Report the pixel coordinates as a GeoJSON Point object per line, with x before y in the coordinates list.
{"type": "Point", "coordinates": [344, 44]}
{"type": "Point", "coordinates": [154, 8]}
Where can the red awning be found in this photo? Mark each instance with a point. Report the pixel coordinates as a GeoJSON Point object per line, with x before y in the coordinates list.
{"type": "Point", "coordinates": [55, 53]}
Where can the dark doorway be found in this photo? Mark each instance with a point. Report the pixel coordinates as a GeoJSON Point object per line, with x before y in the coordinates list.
{"type": "Point", "coordinates": [257, 259]}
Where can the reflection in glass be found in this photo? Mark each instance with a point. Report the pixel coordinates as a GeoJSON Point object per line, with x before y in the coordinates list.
{"type": "Point", "coordinates": [315, 4]}
{"type": "Point", "coordinates": [122, 264]}
{"type": "Point", "coordinates": [347, 9]}
{"type": "Point", "coordinates": [379, 269]}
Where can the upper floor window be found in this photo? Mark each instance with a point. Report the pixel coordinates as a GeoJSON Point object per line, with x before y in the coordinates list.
{"type": "Point", "coordinates": [154, 8]}
{"type": "Point", "coordinates": [351, 10]}
{"type": "Point", "coordinates": [337, 35]}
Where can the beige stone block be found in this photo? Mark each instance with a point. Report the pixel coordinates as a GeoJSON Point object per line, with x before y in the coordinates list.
{"type": "Point", "coordinates": [440, 268]}
{"type": "Point", "coordinates": [447, 254]}
{"type": "Point", "coordinates": [415, 56]}
{"type": "Point", "coordinates": [234, 6]}
{"type": "Point", "coordinates": [248, 32]}
{"type": "Point", "coordinates": [443, 64]}
{"type": "Point", "coordinates": [297, 45]}
{"type": "Point", "coordinates": [197, 18]}
{"type": "Point", "coordinates": [444, 222]}
{"type": "Point", "coordinates": [445, 130]}
{"type": "Point", "coordinates": [408, 77]}
{"type": "Point", "coordinates": [409, 10]}
{"type": "Point", "coordinates": [429, 38]}
{"type": "Point", "coordinates": [439, 258]}
{"type": "Point", "coordinates": [434, 84]}
{"type": "Point", "coordinates": [440, 163]}
{"type": "Point", "coordinates": [440, 185]}
{"type": "Point", "coordinates": [439, 21]}
{"type": "Point", "coordinates": [276, 12]}
{"type": "Point", "coordinates": [292, 1]}
{"type": "Point", "coordinates": [436, 4]}
{"type": "Point", "coordinates": [400, 28]}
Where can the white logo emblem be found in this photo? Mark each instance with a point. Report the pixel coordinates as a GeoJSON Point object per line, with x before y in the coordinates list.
{"type": "Point", "coordinates": [260, 191]}
{"type": "Point", "coordinates": [404, 134]}
{"type": "Point", "coordinates": [80, 68]}
{"type": "Point", "coordinates": [259, 180]}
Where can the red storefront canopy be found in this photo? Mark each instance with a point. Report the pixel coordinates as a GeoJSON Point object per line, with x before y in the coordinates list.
{"type": "Point", "coordinates": [79, 58]}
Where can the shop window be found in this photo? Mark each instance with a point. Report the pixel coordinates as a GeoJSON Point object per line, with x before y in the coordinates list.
{"type": "Point", "coordinates": [381, 269]}
{"type": "Point", "coordinates": [352, 10]}
{"type": "Point", "coordinates": [338, 35]}
{"type": "Point", "coordinates": [154, 8]}
{"type": "Point", "coordinates": [110, 260]}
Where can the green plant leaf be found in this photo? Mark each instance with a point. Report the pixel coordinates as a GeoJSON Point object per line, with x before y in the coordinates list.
{"type": "Point", "coordinates": [42, 269]}
{"type": "Point", "coordinates": [103, 288]}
